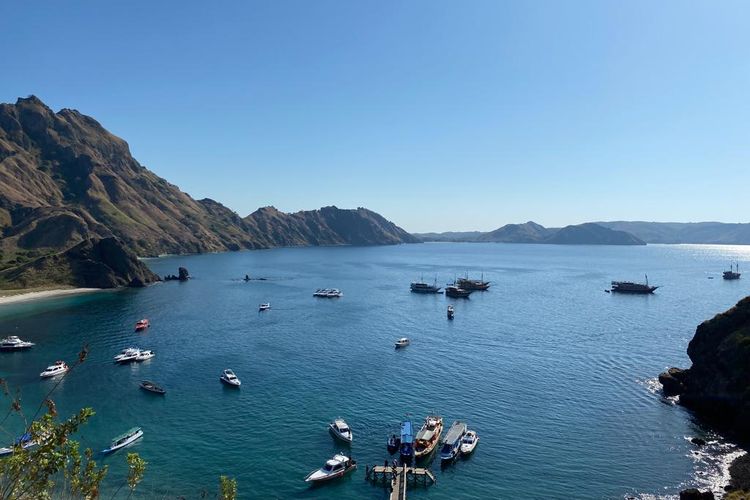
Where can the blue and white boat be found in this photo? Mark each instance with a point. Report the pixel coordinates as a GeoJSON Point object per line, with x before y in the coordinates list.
{"type": "Point", "coordinates": [451, 445]}
{"type": "Point", "coordinates": [25, 442]}
{"type": "Point", "coordinates": [124, 440]}
{"type": "Point", "coordinates": [406, 450]}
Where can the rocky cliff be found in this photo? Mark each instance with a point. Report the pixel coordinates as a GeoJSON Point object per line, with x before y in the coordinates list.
{"type": "Point", "coordinates": [717, 385]}
{"type": "Point", "coordinates": [65, 180]}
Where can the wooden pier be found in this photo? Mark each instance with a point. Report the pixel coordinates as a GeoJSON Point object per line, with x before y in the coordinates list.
{"type": "Point", "coordinates": [399, 477]}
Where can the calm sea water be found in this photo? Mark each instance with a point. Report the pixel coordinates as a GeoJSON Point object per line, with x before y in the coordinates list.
{"type": "Point", "coordinates": [556, 376]}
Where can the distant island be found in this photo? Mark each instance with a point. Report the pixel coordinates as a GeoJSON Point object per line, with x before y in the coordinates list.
{"type": "Point", "coordinates": [607, 233]}
{"type": "Point", "coordinates": [76, 209]}
{"type": "Point", "coordinates": [531, 232]}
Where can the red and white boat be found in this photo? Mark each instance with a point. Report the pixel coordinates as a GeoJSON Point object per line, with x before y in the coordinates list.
{"type": "Point", "coordinates": [142, 325]}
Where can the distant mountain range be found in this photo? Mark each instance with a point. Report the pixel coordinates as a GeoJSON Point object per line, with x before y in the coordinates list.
{"type": "Point", "coordinates": [76, 208]}
{"type": "Point", "coordinates": [531, 232]}
{"type": "Point", "coordinates": [718, 233]}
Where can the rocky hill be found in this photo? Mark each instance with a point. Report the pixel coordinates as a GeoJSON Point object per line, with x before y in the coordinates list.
{"type": "Point", "coordinates": [65, 180]}
{"type": "Point", "coordinates": [531, 232]}
{"type": "Point", "coordinates": [591, 234]}
{"type": "Point", "coordinates": [717, 233]}
{"type": "Point", "coordinates": [717, 385]}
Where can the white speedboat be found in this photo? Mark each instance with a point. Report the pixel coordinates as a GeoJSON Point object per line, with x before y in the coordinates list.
{"type": "Point", "coordinates": [25, 442]}
{"type": "Point", "coordinates": [469, 442]}
{"type": "Point", "coordinates": [144, 355]}
{"type": "Point", "coordinates": [125, 439]}
{"type": "Point", "coordinates": [13, 343]}
{"type": "Point", "coordinates": [264, 307]}
{"type": "Point", "coordinates": [229, 378]}
{"type": "Point", "coordinates": [57, 369]}
{"type": "Point", "coordinates": [341, 430]}
{"type": "Point", "coordinates": [402, 342]}
{"type": "Point", "coordinates": [335, 467]}
{"type": "Point", "coordinates": [127, 355]}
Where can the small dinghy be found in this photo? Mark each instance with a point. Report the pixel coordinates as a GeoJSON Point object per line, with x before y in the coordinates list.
{"type": "Point", "coordinates": [144, 355]}
{"type": "Point", "coordinates": [334, 468]}
{"type": "Point", "coordinates": [147, 385]}
{"type": "Point", "coordinates": [469, 442]}
{"type": "Point", "coordinates": [25, 442]}
{"type": "Point", "coordinates": [53, 370]}
{"type": "Point", "coordinates": [142, 325]}
{"type": "Point", "coordinates": [450, 312]}
{"type": "Point", "coordinates": [127, 355]}
{"type": "Point", "coordinates": [402, 342]}
{"type": "Point", "coordinates": [264, 307]}
{"type": "Point", "coordinates": [123, 440]}
{"type": "Point", "coordinates": [394, 443]}
{"type": "Point", "coordinates": [229, 378]}
{"type": "Point", "coordinates": [341, 430]}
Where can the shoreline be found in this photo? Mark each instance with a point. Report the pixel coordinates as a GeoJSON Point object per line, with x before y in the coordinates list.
{"type": "Point", "coordinates": [17, 296]}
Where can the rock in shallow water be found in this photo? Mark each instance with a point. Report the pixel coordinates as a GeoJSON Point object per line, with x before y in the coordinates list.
{"type": "Point", "coordinates": [696, 494]}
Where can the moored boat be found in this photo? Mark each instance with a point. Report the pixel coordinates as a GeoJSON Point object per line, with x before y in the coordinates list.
{"type": "Point", "coordinates": [450, 312]}
{"type": "Point", "coordinates": [422, 287]}
{"type": "Point", "coordinates": [264, 307]}
{"type": "Point", "coordinates": [147, 385]}
{"type": "Point", "coordinates": [335, 467]}
{"type": "Point", "coordinates": [402, 342]}
{"type": "Point", "coordinates": [428, 436]}
{"type": "Point", "coordinates": [229, 378]}
{"type": "Point", "coordinates": [13, 343]}
{"type": "Point", "coordinates": [633, 288]}
{"type": "Point", "coordinates": [394, 443]}
{"type": "Point", "coordinates": [127, 355]}
{"type": "Point", "coordinates": [468, 284]}
{"type": "Point", "coordinates": [732, 274]}
{"type": "Point", "coordinates": [457, 292]}
{"type": "Point", "coordinates": [124, 439]}
{"type": "Point", "coordinates": [451, 445]}
{"type": "Point", "coordinates": [469, 442]}
{"type": "Point", "coordinates": [341, 430]}
{"type": "Point", "coordinates": [328, 293]}
{"type": "Point", "coordinates": [58, 368]}
{"type": "Point", "coordinates": [406, 448]}
{"type": "Point", "coordinates": [142, 325]}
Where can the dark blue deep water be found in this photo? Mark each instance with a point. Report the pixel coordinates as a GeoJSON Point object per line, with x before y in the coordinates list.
{"type": "Point", "coordinates": [556, 376]}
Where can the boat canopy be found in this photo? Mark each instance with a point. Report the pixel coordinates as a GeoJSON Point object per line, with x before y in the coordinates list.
{"type": "Point", "coordinates": [455, 433]}
{"type": "Point", "coordinates": [124, 435]}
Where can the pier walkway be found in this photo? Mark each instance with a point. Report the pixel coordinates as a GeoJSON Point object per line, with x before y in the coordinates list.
{"type": "Point", "coordinates": [399, 477]}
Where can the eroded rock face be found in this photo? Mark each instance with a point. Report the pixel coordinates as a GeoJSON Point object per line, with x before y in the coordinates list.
{"type": "Point", "coordinates": [717, 385]}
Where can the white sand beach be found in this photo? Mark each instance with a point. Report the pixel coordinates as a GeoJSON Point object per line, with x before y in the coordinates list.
{"type": "Point", "coordinates": [15, 296]}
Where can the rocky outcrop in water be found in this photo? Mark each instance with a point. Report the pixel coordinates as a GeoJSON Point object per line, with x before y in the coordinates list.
{"type": "Point", "coordinates": [717, 385]}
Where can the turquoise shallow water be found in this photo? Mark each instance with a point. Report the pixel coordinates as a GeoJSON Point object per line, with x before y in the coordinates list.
{"type": "Point", "coordinates": [556, 376]}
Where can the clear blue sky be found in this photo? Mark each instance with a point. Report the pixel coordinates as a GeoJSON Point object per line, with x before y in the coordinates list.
{"type": "Point", "coordinates": [439, 115]}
